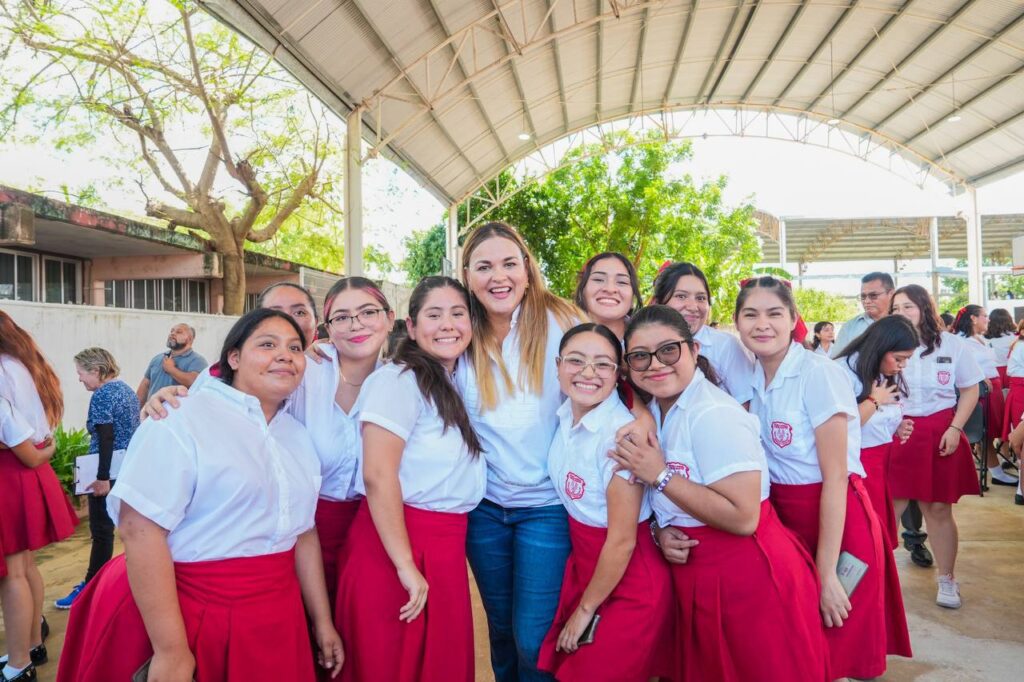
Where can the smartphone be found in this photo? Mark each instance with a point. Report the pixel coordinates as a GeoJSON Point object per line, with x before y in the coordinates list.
{"type": "Point", "coordinates": [850, 570]}
{"type": "Point", "coordinates": [588, 633]}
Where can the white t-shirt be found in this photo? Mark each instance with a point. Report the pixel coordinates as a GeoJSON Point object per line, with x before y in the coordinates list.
{"type": "Point", "coordinates": [219, 478]}
{"type": "Point", "coordinates": [14, 429]}
{"type": "Point", "coordinates": [1001, 347]}
{"type": "Point", "coordinates": [517, 433]}
{"type": "Point", "coordinates": [729, 359]}
{"type": "Point", "coordinates": [983, 355]}
{"type": "Point", "coordinates": [579, 464]}
{"type": "Point", "coordinates": [808, 389]}
{"type": "Point", "coordinates": [932, 380]}
{"type": "Point", "coordinates": [17, 386]}
{"type": "Point", "coordinates": [881, 426]}
{"type": "Point", "coordinates": [437, 471]}
{"type": "Point", "coordinates": [1015, 363]}
{"type": "Point", "coordinates": [706, 436]}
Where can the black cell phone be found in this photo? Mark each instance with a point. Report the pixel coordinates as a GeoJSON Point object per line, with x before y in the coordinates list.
{"type": "Point", "coordinates": [588, 633]}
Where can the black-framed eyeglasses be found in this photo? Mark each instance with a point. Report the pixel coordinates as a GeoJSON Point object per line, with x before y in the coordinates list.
{"type": "Point", "coordinates": [602, 368]}
{"type": "Point", "coordinates": [873, 295]}
{"type": "Point", "coordinates": [668, 354]}
{"type": "Point", "coordinates": [365, 317]}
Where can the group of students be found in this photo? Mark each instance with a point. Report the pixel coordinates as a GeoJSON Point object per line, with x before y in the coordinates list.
{"type": "Point", "coordinates": [638, 494]}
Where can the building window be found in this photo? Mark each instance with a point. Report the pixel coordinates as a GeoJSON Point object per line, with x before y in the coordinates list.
{"type": "Point", "coordinates": [17, 276]}
{"type": "Point", "coordinates": [60, 280]}
{"type": "Point", "coordinates": [174, 295]}
{"type": "Point", "coordinates": [252, 302]}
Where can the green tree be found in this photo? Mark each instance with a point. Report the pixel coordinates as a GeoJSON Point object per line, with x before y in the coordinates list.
{"type": "Point", "coordinates": [425, 252]}
{"type": "Point", "coordinates": [958, 296]}
{"type": "Point", "coordinates": [232, 144]}
{"type": "Point", "coordinates": [816, 305]}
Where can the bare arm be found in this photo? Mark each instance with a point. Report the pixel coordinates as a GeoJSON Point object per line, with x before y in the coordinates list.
{"type": "Point", "coordinates": [830, 440]}
{"type": "Point", "coordinates": [180, 376]}
{"type": "Point", "coordinates": [151, 576]}
{"type": "Point", "coordinates": [142, 392]}
{"type": "Point", "coordinates": [382, 454]}
{"type": "Point", "coordinates": [964, 407]}
{"type": "Point", "coordinates": [31, 456]}
{"type": "Point", "coordinates": [310, 569]}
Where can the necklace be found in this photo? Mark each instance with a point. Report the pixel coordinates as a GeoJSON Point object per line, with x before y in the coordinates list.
{"type": "Point", "coordinates": [349, 382]}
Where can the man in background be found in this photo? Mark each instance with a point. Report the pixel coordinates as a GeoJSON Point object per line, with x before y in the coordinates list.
{"type": "Point", "coordinates": [180, 365]}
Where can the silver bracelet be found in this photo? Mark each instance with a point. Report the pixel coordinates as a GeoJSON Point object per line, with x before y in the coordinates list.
{"type": "Point", "coordinates": [662, 480]}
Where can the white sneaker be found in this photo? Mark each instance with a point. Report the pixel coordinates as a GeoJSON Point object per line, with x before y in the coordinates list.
{"type": "Point", "coordinates": [949, 592]}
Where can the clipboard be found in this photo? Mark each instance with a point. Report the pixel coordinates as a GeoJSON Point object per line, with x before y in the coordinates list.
{"type": "Point", "coordinates": [86, 467]}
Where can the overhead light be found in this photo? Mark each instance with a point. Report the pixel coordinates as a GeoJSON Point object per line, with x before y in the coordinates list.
{"type": "Point", "coordinates": [833, 121]}
{"type": "Point", "coordinates": [953, 119]}
{"type": "Point", "coordinates": [524, 136]}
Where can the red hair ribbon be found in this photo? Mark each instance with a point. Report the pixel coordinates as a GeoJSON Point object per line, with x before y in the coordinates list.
{"type": "Point", "coordinates": [956, 321]}
{"type": "Point", "coordinates": [800, 330]}
{"type": "Point", "coordinates": [664, 266]}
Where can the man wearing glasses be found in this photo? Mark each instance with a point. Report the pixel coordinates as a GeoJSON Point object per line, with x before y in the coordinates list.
{"type": "Point", "coordinates": [875, 295]}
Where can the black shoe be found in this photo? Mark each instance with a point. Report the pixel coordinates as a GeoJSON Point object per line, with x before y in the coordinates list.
{"type": "Point", "coordinates": [1018, 499]}
{"type": "Point", "coordinates": [26, 675]}
{"type": "Point", "coordinates": [920, 555]}
{"type": "Point", "coordinates": [996, 481]}
{"type": "Point", "coordinates": [45, 629]}
{"type": "Point", "coordinates": [38, 656]}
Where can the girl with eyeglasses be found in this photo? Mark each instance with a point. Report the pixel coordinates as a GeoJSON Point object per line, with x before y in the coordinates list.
{"type": "Point", "coordinates": [615, 576]}
{"type": "Point", "coordinates": [935, 465]}
{"type": "Point", "coordinates": [810, 428]}
{"type": "Point", "coordinates": [403, 588]}
{"type": "Point", "coordinates": [745, 600]}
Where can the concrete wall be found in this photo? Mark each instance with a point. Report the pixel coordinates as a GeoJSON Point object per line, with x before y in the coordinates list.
{"type": "Point", "coordinates": [132, 336]}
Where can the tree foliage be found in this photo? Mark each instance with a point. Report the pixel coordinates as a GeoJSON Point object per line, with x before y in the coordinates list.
{"type": "Point", "coordinates": [234, 146]}
{"type": "Point", "coordinates": [425, 252]}
{"type": "Point", "coordinates": [816, 305]}
{"type": "Point", "coordinates": [1000, 287]}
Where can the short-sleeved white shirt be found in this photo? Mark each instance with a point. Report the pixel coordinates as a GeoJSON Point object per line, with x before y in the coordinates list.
{"type": "Point", "coordinates": [437, 471]}
{"type": "Point", "coordinates": [579, 464]}
{"type": "Point", "coordinates": [335, 433]}
{"type": "Point", "coordinates": [983, 355]}
{"type": "Point", "coordinates": [17, 386]}
{"type": "Point", "coordinates": [517, 433]}
{"type": "Point", "coordinates": [729, 359]}
{"type": "Point", "coordinates": [1001, 347]}
{"type": "Point", "coordinates": [932, 380]}
{"type": "Point", "coordinates": [219, 478]}
{"type": "Point", "coordinates": [808, 389]}
{"type": "Point", "coordinates": [881, 426]}
{"type": "Point", "coordinates": [706, 436]}
{"type": "Point", "coordinates": [14, 429]}
{"type": "Point", "coordinates": [1015, 363]}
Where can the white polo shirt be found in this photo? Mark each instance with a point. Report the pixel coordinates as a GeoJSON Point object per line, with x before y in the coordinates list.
{"type": "Point", "coordinates": [517, 433]}
{"type": "Point", "coordinates": [729, 359]}
{"type": "Point", "coordinates": [579, 464]}
{"type": "Point", "coordinates": [219, 478]}
{"type": "Point", "coordinates": [807, 391]}
{"type": "Point", "coordinates": [437, 471]}
{"type": "Point", "coordinates": [983, 355]}
{"type": "Point", "coordinates": [14, 429]}
{"type": "Point", "coordinates": [706, 436]}
{"type": "Point", "coordinates": [17, 386]}
{"type": "Point", "coordinates": [1001, 347]}
{"type": "Point", "coordinates": [1015, 363]}
{"type": "Point", "coordinates": [881, 427]}
{"type": "Point", "coordinates": [932, 380]}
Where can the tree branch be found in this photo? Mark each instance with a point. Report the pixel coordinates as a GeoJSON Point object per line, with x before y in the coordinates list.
{"type": "Point", "coordinates": [301, 191]}
{"type": "Point", "coordinates": [181, 216]}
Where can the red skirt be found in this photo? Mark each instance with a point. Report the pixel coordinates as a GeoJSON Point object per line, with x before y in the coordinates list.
{"type": "Point", "coordinates": [243, 618]}
{"type": "Point", "coordinates": [1014, 405]}
{"type": "Point", "coordinates": [995, 405]}
{"type": "Point", "coordinates": [1003, 376]}
{"type": "Point", "coordinates": [917, 472]}
{"type": "Point", "coordinates": [34, 510]}
{"type": "Point", "coordinates": [877, 624]}
{"type": "Point", "coordinates": [747, 608]}
{"type": "Point", "coordinates": [333, 520]}
{"type": "Point", "coordinates": [643, 595]}
{"type": "Point", "coordinates": [876, 465]}
{"type": "Point", "coordinates": [436, 646]}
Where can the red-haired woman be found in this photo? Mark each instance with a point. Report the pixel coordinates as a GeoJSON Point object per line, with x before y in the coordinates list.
{"type": "Point", "coordinates": [34, 511]}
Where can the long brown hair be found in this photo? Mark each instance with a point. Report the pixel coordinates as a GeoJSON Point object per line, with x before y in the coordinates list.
{"type": "Point", "coordinates": [928, 328]}
{"type": "Point", "coordinates": [533, 322]}
{"type": "Point", "coordinates": [18, 343]}
{"type": "Point", "coordinates": [431, 376]}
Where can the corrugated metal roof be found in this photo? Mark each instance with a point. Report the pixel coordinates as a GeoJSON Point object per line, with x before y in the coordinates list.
{"type": "Point", "coordinates": [447, 86]}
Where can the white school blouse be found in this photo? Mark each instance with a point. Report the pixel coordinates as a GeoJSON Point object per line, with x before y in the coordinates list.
{"type": "Point", "coordinates": [14, 429]}
{"type": "Point", "coordinates": [983, 355]}
{"type": "Point", "coordinates": [880, 428]}
{"type": "Point", "coordinates": [729, 359]}
{"type": "Point", "coordinates": [1001, 347]}
{"type": "Point", "coordinates": [706, 436]}
{"type": "Point", "coordinates": [579, 463]}
{"type": "Point", "coordinates": [516, 434]}
{"type": "Point", "coordinates": [219, 478]}
{"type": "Point", "coordinates": [1015, 363]}
{"type": "Point", "coordinates": [17, 386]}
{"type": "Point", "coordinates": [808, 389]}
{"type": "Point", "coordinates": [437, 471]}
{"type": "Point", "coordinates": [932, 380]}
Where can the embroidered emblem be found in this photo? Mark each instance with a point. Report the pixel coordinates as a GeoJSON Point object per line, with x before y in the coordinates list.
{"type": "Point", "coordinates": [782, 434]}
{"type": "Point", "coordinates": [574, 486]}
{"type": "Point", "coordinates": [944, 377]}
{"type": "Point", "coordinates": [679, 468]}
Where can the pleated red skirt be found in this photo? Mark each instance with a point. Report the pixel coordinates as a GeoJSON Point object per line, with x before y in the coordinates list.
{"type": "Point", "coordinates": [747, 608]}
{"type": "Point", "coordinates": [1003, 376]}
{"type": "Point", "coordinates": [876, 465]}
{"type": "Point", "coordinates": [995, 406]}
{"type": "Point", "coordinates": [1014, 405]}
{"type": "Point", "coordinates": [917, 472]}
{"type": "Point", "coordinates": [877, 624]}
{"type": "Point", "coordinates": [34, 510]}
{"type": "Point", "coordinates": [243, 618]}
{"type": "Point", "coordinates": [435, 647]}
{"type": "Point", "coordinates": [333, 520]}
{"type": "Point", "coordinates": [643, 595]}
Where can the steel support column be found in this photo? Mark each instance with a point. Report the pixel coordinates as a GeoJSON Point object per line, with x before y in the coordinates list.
{"type": "Point", "coordinates": [968, 202]}
{"type": "Point", "coordinates": [933, 238]}
{"type": "Point", "coordinates": [782, 243]}
{"type": "Point", "coordinates": [353, 194]}
{"type": "Point", "coordinates": [452, 251]}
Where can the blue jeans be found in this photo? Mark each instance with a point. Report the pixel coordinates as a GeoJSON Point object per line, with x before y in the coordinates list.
{"type": "Point", "coordinates": [518, 557]}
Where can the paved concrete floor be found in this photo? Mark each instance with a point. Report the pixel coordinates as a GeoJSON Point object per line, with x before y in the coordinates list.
{"type": "Point", "coordinates": [983, 641]}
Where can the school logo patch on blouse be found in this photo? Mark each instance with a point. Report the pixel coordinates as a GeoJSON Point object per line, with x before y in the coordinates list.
{"type": "Point", "coordinates": [574, 486]}
{"type": "Point", "coordinates": [679, 468]}
{"type": "Point", "coordinates": [944, 377]}
{"type": "Point", "coordinates": [782, 434]}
